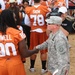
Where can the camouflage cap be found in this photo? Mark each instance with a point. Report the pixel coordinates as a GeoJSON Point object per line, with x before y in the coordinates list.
{"type": "Point", "coordinates": [54, 20]}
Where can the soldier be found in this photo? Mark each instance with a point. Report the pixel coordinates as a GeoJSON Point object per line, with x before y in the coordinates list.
{"type": "Point", "coordinates": [58, 48]}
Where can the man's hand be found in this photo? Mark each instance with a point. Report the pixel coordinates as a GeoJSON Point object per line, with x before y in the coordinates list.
{"type": "Point", "coordinates": [37, 50]}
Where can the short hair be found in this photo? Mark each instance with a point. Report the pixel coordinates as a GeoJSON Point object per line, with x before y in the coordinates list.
{"type": "Point", "coordinates": [25, 1]}
{"type": "Point", "coordinates": [36, 1]}
{"type": "Point", "coordinates": [7, 19]}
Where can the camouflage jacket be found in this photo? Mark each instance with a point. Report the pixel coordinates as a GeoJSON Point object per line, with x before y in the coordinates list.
{"type": "Point", "coordinates": [58, 50]}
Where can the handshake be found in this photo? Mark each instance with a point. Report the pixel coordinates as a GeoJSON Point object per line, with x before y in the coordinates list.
{"type": "Point", "coordinates": [36, 49]}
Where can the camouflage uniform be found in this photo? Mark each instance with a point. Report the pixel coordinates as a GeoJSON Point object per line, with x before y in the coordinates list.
{"type": "Point", "coordinates": [58, 53]}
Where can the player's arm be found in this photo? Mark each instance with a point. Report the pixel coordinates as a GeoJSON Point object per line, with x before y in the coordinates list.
{"type": "Point", "coordinates": [23, 48]}
{"type": "Point", "coordinates": [26, 20]}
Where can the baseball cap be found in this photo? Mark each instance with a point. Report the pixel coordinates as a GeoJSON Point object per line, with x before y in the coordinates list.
{"type": "Point", "coordinates": [62, 9]}
{"type": "Point", "coordinates": [54, 20]}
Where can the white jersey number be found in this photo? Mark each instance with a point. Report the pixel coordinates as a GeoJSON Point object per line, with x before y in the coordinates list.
{"type": "Point", "coordinates": [38, 19]}
{"type": "Point", "coordinates": [4, 49]}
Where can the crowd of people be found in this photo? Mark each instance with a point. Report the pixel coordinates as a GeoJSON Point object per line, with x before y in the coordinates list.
{"type": "Point", "coordinates": [28, 27]}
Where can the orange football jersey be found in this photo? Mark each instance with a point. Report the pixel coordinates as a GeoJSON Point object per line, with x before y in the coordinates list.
{"type": "Point", "coordinates": [60, 3]}
{"type": "Point", "coordinates": [46, 3]}
{"type": "Point", "coordinates": [9, 45]}
{"type": "Point", "coordinates": [37, 16]}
